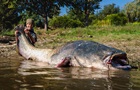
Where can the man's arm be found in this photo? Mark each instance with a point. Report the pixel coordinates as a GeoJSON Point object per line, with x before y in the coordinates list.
{"type": "Point", "coordinates": [31, 37]}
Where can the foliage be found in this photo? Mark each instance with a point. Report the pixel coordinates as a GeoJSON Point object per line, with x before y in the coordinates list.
{"type": "Point", "coordinates": [38, 20]}
{"type": "Point", "coordinates": [107, 10]}
{"type": "Point", "coordinates": [7, 33]}
{"type": "Point", "coordinates": [132, 11]}
{"type": "Point", "coordinates": [64, 22]}
{"type": "Point", "coordinates": [45, 8]}
{"type": "Point", "coordinates": [112, 19]}
{"type": "Point", "coordinates": [84, 8]}
{"type": "Point", "coordinates": [8, 14]}
{"type": "Point", "coordinates": [136, 23]}
{"type": "Point", "coordinates": [75, 16]}
{"type": "Point", "coordinates": [101, 23]}
{"type": "Point", "coordinates": [117, 19]}
{"type": "Point", "coordinates": [80, 13]}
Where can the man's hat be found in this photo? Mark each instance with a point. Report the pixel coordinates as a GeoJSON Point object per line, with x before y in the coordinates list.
{"type": "Point", "coordinates": [29, 21]}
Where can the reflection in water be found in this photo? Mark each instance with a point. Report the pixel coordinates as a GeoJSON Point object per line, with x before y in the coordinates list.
{"type": "Point", "coordinates": [32, 67]}
{"type": "Point", "coordinates": [30, 75]}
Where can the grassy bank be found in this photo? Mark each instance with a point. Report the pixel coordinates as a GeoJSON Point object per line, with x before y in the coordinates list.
{"type": "Point", "coordinates": [100, 34]}
{"type": "Point", "coordinates": [126, 38]}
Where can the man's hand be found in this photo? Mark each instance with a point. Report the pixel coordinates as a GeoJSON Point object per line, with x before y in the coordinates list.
{"type": "Point", "coordinates": [26, 30]}
{"type": "Point", "coordinates": [16, 32]}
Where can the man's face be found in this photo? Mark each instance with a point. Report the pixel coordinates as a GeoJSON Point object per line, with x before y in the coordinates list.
{"type": "Point", "coordinates": [29, 26]}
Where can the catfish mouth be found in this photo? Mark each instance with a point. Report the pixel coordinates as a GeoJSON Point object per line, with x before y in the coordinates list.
{"type": "Point", "coordinates": [120, 61]}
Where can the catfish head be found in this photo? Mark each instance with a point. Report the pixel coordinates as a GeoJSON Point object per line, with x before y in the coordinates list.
{"type": "Point", "coordinates": [119, 61]}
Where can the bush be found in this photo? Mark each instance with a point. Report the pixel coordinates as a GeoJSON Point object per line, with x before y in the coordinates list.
{"type": "Point", "coordinates": [136, 23]}
{"type": "Point", "coordinates": [101, 23]}
{"type": "Point", "coordinates": [64, 22]}
{"type": "Point", "coordinates": [75, 23]}
{"type": "Point", "coordinates": [117, 19]}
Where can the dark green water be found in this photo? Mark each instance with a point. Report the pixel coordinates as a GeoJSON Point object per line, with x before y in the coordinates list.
{"type": "Point", "coordinates": [17, 74]}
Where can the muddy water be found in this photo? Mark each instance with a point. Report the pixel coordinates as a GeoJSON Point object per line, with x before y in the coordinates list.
{"type": "Point", "coordinates": [18, 74]}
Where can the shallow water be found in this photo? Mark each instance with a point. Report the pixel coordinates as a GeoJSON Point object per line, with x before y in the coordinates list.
{"type": "Point", "coordinates": [18, 74]}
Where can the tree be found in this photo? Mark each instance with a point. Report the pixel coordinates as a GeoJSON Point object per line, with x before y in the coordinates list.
{"type": "Point", "coordinates": [8, 14]}
{"type": "Point", "coordinates": [116, 19]}
{"type": "Point", "coordinates": [73, 15]}
{"type": "Point", "coordinates": [107, 10]}
{"type": "Point", "coordinates": [45, 8]}
{"type": "Point", "coordinates": [84, 7]}
{"type": "Point", "coordinates": [64, 22]}
{"type": "Point", "coordinates": [38, 20]}
{"type": "Point", "coordinates": [132, 11]}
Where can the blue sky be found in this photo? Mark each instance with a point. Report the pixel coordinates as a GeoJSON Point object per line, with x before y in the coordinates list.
{"type": "Point", "coordinates": [119, 3]}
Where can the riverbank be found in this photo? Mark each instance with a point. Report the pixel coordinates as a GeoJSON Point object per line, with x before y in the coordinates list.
{"type": "Point", "coordinates": [7, 46]}
{"type": "Point", "coordinates": [125, 38]}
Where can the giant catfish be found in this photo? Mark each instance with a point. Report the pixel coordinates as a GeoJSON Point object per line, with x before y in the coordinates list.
{"type": "Point", "coordinates": [74, 54]}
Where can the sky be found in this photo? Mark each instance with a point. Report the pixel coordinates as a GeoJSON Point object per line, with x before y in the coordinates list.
{"type": "Point", "coordinates": [119, 3]}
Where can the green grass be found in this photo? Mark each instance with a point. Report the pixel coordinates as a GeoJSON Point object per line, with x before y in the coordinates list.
{"type": "Point", "coordinates": [100, 34]}
{"type": "Point", "coordinates": [126, 38]}
{"type": "Point", "coordinates": [7, 33]}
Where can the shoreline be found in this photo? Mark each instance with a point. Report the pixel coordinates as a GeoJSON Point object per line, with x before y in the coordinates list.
{"type": "Point", "coordinates": [8, 47]}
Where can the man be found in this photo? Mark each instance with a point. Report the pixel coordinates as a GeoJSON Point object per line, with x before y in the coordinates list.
{"type": "Point", "coordinates": [29, 31]}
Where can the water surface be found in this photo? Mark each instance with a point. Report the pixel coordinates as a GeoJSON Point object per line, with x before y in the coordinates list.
{"type": "Point", "coordinates": [19, 74]}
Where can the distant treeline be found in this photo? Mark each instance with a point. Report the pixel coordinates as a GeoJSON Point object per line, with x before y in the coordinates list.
{"type": "Point", "coordinates": [80, 13]}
